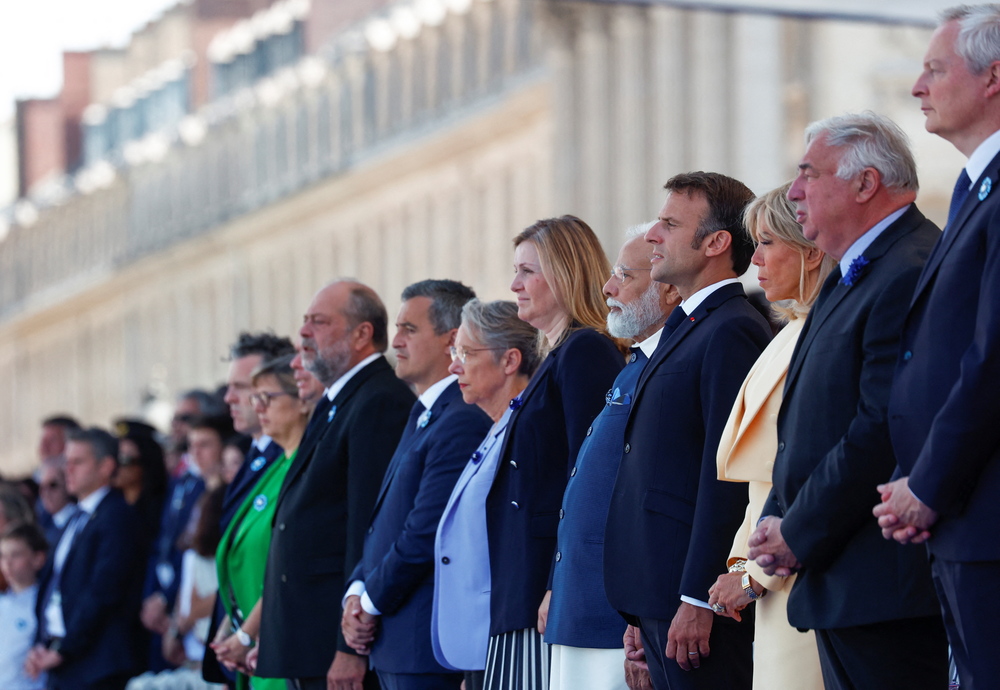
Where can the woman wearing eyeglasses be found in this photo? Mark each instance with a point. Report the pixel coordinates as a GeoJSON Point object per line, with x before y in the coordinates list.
{"type": "Point", "coordinates": [559, 274]}
{"type": "Point", "coordinates": [242, 553]}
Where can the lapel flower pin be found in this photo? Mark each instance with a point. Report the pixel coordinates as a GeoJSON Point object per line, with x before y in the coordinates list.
{"type": "Point", "coordinates": [985, 188]}
{"type": "Point", "coordinates": [515, 402]}
{"type": "Point", "coordinates": [854, 271]}
{"type": "Point", "coordinates": [424, 419]}
{"type": "Point", "coordinates": [333, 411]}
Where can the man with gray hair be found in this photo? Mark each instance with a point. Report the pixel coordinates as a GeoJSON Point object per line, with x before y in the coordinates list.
{"type": "Point", "coordinates": [576, 618]}
{"type": "Point", "coordinates": [870, 601]}
{"type": "Point", "coordinates": [944, 408]}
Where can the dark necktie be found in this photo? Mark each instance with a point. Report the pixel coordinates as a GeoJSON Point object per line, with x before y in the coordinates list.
{"type": "Point", "coordinates": [411, 423]}
{"type": "Point", "coordinates": [675, 319]}
{"type": "Point", "coordinates": [958, 197]}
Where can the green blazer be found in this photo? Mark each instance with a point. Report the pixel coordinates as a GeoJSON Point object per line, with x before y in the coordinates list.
{"type": "Point", "coordinates": [242, 555]}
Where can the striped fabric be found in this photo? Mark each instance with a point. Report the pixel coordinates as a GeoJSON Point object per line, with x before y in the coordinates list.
{"type": "Point", "coordinates": [518, 660]}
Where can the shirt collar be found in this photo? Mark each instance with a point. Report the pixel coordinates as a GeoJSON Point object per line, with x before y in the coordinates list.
{"type": "Point", "coordinates": [649, 344]}
{"type": "Point", "coordinates": [62, 516]}
{"type": "Point", "coordinates": [339, 384]}
{"type": "Point", "coordinates": [90, 503]}
{"type": "Point", "coordinates": [982, 156]}
{"type": "Point", "coordinates": [433, 392]}
{"type": "Point", "coordinates": [262, 442]}
{"type": "Point", "coordinates": [865, 241]}
{"type": "Point", "coordinates": [695, 300]}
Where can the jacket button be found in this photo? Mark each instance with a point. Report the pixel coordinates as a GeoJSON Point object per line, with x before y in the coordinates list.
{"type": "Point", "coordinates": [371, 529]}
{"type": "Point", "coordinates": [907, 355]}
{"type": "Point", "coordinates": [572, 472]}
{"type": "Point", "coordinates": [631, 357]}
{"type": "Point", "coordinates": [281, 527]}
{"type": "Point", "coordinates": [781, 445]}
{"type": "Point", "coordinates": [562, 513]}
{"type": "Point", "coordinates": [627, 447]}
{"type": "Point", "coordinates": [513, 464]}
{"type": "Point", "coordinates": [514, 503]}
{"type": "Point", "coordinates": [589, 430]}
{"type": "Point", "coordinates": [445, 560]}
{"type": "Point", "coordinates": [558, 556]}
{"type": "Point", "coordinates": [284, 578]}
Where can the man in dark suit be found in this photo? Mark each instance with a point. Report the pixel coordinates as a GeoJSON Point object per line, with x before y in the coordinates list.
{"type": "Point", "coordinates": [330, 489]}
{"type": "Point", "coordinates": [585, 632]}
{"type": "Point", "coordinates": [89, 591]}
{"type": "Point", "coordinates": [943, 410]}
{"type": "Point", "coordinates": [671, 521]}
{"type": "Point", "coordinates": [248, 352]}
{"type": "Point", "coordinates": [870, 602]}
{"type": "Point", "coordinates": [387, 608]}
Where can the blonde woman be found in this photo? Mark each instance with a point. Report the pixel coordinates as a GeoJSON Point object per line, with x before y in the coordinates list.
{"type": "Point", "coordinates": [791, 271]}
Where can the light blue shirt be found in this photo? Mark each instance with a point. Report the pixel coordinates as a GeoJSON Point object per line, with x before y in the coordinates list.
{"type": "Point", "coordinates": [17, 634]}
{"type": "Point", "coordinates": [460, 622]}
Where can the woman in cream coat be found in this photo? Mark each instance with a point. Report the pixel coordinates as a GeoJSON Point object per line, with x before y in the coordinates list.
{"type": "Point", "coordinates": [789, 268]}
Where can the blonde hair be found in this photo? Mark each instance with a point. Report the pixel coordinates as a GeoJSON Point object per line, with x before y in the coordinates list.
{"type": "Point", "coordinates": [576, 268]}
{"type": "Point", "coordinates": [775, 212]}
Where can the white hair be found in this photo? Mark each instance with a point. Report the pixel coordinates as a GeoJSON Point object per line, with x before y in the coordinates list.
{"type": "Point", "coordinates": [978, 40]}
{"type": "Point", "coordinates": [638, 230]}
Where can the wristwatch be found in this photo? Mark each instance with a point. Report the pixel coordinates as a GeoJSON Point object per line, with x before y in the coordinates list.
{"type": "Point", "coordinates": [243, 638]}
{"type": "Point", "coordinates": [748, 588]}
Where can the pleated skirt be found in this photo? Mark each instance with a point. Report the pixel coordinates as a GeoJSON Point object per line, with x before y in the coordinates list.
{"type": "Point", "coordinates": [518, 660]}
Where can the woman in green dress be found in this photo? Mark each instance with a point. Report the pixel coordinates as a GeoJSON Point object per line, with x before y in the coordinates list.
{"type": "Point", "coordinates": [242, 554]}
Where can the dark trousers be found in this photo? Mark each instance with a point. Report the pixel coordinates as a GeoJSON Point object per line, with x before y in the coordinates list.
{"type": "Point", "coordinates": [729, 663]}
{"type": "Point", "coordinates": [108, 683]}
{"type": "Point", "coordinates": [907, 654]}
{"type": "Point", "coordinates": [420, 681]}
{"type": "Point", "coordinates": [475, 680]}
{"type": "Point", "coordinates": [371, 682]}
{"type": "Point", "coordinates": [964, 590]}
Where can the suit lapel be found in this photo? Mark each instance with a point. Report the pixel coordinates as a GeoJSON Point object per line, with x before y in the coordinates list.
{"type": "Point", "coordinates": [947, 239]}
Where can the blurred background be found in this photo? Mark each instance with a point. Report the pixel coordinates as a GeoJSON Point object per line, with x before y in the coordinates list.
{"type": "Point", "coordinates": [174, 172]}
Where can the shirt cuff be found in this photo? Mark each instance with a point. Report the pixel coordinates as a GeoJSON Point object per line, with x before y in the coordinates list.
{"type": "Point", "coordinates": [356, 589]}
{"type": "Point", "coordinates": [695, 602]}
{"type": "Point", "coordinates": [368, 606]}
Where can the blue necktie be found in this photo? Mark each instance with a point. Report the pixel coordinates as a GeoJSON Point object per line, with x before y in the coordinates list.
{"type": "Point", "coordinates": [958, 197]}
{"type": "Point", "coordinates": [675, 319]}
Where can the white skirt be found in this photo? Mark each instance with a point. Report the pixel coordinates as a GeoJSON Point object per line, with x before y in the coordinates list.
{"type": "Point", "coordinates": [578, 668]}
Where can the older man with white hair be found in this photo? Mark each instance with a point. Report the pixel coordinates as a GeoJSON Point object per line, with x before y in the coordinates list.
{"type": "Point", "coordinates": [576, 617]}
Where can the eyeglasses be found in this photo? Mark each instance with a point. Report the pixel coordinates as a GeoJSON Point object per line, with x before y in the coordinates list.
{"type": "Point", "coordinates": [619, 272]}
{"type": "Point", "coordinates": [126, 460]}
{"type": "Point", "coordinates": [263, 399]}
{"type": "Point", "coordinates": [51, 486]}
{"type": "Point", "coordinates": [463, 354]}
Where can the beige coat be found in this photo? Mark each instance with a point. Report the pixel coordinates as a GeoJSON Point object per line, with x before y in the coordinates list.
{"type": "Point", "coordinates": [783, 657]}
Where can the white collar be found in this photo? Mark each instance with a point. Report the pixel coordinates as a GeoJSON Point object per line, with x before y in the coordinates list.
{"type": "Point", "coordinates": [649, 344]}
{"type": "Point", "coordinates": [434, 391]}
{"type": "Point", "coordinates": [982, 156]}
{"type": "Point", "coordinates": [90, 503]}
{"type": "Point", "coordinates": [865, 241]}
{"type": "Point", "coordinates": [62, 516]}
{"type": "Point", "coordinates": [695, 300]}
{"type": "Point", "coordinates": [262, 442]}
{"type": "Point", "coordinates": [339, 384]}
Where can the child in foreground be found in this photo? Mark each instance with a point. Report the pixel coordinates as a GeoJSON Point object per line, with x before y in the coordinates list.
{"type": "Point", "coordinates": [22, 554]}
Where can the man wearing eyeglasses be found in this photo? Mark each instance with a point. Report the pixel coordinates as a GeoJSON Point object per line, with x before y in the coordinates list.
{"type": "Point", "coordinates": [575, 616]}
{"type": "Point", "coordinates": [387, 608]}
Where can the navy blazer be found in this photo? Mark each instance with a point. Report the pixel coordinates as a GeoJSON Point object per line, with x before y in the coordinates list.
{"type": "Point", "coordinates": [944, 411]}
{"type": "Point", "coordinates": [671, 521]}
{"type": "Point", "coordinates": [398, 563]}
{"type": "Point", "coordinates": [834, 448]}
{"type": "Point", "coordinates": [579, 613]}
{"type": "Point", "coordinates": [543, 436]}
{"type": "Point", "coordinates": [323, 511]}
{"type": "Point", "coordinates": [100, 586]}
{"type": "Point", "coordinates": [165, 557]}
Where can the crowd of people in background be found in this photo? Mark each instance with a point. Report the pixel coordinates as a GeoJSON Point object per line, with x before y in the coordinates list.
{"type": "Point", "coordinates": [629, 476]}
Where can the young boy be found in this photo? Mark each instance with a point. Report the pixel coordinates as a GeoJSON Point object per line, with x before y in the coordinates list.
{"type": "Point", "coordinates": [22, 555]}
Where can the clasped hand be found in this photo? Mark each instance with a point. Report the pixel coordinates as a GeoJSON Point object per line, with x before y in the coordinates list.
{"type": "Point", "coordinates": [358, 626]}
{"type": "Point", "coordinates": [901, 515]}
{"type": "Point", "coordinates": [769, 550]}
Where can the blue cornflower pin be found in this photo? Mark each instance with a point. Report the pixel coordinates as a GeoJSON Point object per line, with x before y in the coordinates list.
{"type": "Point", "coordinates": [854, 271]}
{"type": "Point", "coordinates": [257, 463]}
{"type": "Point", "coordinates": [515, 402]}
{"type": "Point", "coordinates": [260, 503]}
{"type": "Point", "coordinates": [477, 456]}
{"type": "Point", "coordinates": [985, 188]}
{"type": "Point", "coordinates": [424, 419]}
{"type": "Point", "coordinates": [333, 411]}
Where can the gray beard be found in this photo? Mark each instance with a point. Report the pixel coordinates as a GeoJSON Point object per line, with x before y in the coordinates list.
{"type": "Point", "coordinates": [637, 316]}
{"type": "Point", "coordinates": [331, 365]}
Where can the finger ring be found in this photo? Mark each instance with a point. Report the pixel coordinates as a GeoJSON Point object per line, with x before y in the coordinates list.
{"type": "Point", "coordinates": [718, 607]}
{"type": "Point", "coordinates": [693, 654]}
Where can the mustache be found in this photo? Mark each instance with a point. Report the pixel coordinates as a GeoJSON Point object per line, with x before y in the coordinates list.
{"type": "Point", "coordinates": [614, 303]}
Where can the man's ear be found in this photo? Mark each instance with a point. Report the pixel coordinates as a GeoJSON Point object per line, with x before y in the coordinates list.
{"type": "Point", "coordinates": [718, 243]}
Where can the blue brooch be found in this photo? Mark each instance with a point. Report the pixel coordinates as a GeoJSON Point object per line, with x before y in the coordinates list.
{"type": "Point", "coordinates": [257, 464]}
{"type": "Point", "coordinates": [854, 271]}
{"type": "Point", "coordinates": [333, 411]}
{"type": "Point", "coordinates": [985, 188]}
{"type": "Point", "coordinates": [515, 402]}
{"type": "Point", "coordinates": [424, 419]}
{"type": "Point", "coordinates": [476, 457]}
{"type": "Point", "coordinates": [260, 503]}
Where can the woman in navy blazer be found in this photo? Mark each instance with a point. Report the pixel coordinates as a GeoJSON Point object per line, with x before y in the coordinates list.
{"type": "Point", "coordinates": [560, 269]}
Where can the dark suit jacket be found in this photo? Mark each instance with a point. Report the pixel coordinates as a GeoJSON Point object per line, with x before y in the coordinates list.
{"type": "Point", "coordinates": [543, 438]}
{"type": "Point", "coordinates": [100, 586]}
{"type": "Point", "coordinates": [834, 448]}
{"type": "Point", "coordinates": [671, 521]}
{"type": "Point", "coordinates": [944, 411]}
{"type": "Point", "coordinates": [319, 524]}
{"type": "Point", "coordinates": [182, 495]}
{"type": "Point", "coordinates": [398, 563]}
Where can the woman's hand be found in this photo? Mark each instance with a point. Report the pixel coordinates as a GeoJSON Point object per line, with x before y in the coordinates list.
{"type": "Point", "coordinates": [728, 592]}
{"type": "Point", "coordinates": [232, 654]}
